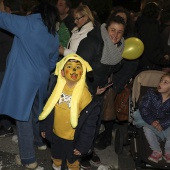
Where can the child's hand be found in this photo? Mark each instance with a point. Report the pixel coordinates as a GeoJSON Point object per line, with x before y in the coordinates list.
{"type": "Point", "coordinates": [43, 134]}
{"type": "Point", "coordinates": [76, 152]}
{"type": "Point", "coordinates": [157, 125]}
{"type": "Point", "coordinates": [154, 123]}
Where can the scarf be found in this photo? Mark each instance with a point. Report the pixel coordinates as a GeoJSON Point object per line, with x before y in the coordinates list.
{"type": "Point", "coordinates": [111, 54]}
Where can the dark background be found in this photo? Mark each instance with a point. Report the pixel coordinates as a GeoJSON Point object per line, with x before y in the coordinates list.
{"type": "Point", "coordinates": [104, 7]}
{"type": "Point", "coordinates": [133, 5]}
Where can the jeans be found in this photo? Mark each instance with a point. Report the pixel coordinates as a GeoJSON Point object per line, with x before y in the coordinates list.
{"type": "Point", "coordinates": [153, 139]}
{"type": "Point", "coordinates": [28, 135]}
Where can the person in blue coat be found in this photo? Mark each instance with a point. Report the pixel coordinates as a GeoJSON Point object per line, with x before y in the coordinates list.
{"type": "Point", "coordinates": [33, 56]}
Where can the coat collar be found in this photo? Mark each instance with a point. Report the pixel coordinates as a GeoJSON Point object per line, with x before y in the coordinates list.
{"type": "Point", "coordinates": [86, 26]}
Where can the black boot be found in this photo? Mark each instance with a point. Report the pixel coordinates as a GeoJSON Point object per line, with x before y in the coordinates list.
{"type": "Point", "coordinates": [105, 138]}
{"type": "Point", "coordinates": [103, 144]}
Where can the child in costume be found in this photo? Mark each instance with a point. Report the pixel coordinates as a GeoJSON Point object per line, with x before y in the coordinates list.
{"type": "Point", "coordinates": [71, 116]}
{"type": "Point", "coordinates": [155, 118]}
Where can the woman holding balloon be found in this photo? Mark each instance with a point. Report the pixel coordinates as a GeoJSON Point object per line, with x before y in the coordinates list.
{"type": "Point", "coordinates": [103, 48]}
{"type": "Point", "coordinates": [92, 48]}
{"type": "Point", "coordinates": [133, 49]}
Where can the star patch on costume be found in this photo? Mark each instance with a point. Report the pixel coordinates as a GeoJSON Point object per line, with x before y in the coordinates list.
{"type": "Point", "coordinates": [65, 99]}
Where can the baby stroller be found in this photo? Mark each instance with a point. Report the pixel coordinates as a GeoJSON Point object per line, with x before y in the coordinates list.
{"type": "Point", "coordinates": [139, 146]}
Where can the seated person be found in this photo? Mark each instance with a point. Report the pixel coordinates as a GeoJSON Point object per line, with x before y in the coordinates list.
{"type": "Point", "coordinates": [154, 117]}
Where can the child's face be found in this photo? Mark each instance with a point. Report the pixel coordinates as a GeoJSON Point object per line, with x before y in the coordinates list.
{"type": "Point", "coordinates": [73, 70]}
{"type": "Point", "coordinates": [164, 85]}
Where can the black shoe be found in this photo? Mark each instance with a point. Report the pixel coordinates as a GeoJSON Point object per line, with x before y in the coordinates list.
{"type": "Point", "coordinates": [85, 165]}
{"type": "Point", "coordinates": [6, 132]}
{"type": "Point", "coordinates": [103, 144]}
{"type": "Point", "coordinates": [95, 160]}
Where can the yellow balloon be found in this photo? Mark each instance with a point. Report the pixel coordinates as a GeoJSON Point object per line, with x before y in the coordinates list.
{"type": "Point", "coordinates": [133, 48]}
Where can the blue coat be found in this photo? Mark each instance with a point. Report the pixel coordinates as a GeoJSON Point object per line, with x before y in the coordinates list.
{"type": "Point", "coordinates": [33, 55]}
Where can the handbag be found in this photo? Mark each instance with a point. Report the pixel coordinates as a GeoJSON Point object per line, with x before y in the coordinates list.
{"type": "Point", "coordinates": [122, 104]}
{"type": "Point", "coordinates": [108, 112]}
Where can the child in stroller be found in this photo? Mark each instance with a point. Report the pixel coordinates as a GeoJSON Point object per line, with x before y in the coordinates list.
{"type": "Point", "coordinates": [154, 116]}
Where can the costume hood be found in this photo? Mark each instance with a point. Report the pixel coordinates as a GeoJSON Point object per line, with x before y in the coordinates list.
{"type": "Point", "coordinates": [77, 92]}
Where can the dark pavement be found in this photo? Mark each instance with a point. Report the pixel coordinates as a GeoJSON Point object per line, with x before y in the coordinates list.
{"type": "Point", "coordinates": [110, 160]}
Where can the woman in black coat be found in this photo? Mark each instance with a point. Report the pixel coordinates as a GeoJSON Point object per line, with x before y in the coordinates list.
{"type": "Point", "coordinates": [148, 30]}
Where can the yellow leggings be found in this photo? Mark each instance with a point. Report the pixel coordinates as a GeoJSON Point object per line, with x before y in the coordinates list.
{"type": "Point", "coordinates": [74, 166]}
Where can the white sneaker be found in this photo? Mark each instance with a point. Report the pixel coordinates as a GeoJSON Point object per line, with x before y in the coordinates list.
{"type": "Point", "coordinates": [18, 160]}
{"type": "Point", "coordinates": [15, 138]}
{"type": "Point", "coordinates": [29, 166]}
{"type": "Point", "coordinates": [32, 165]}
{"type": "Point", "coordinates": [103, 167]}
{"type": "Point", "coordinates": [42, 148]}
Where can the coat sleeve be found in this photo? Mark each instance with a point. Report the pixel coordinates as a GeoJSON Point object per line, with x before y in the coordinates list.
{"type": "Point", "coordinates": [87, 52]}
{"type": "Point", "coordinates": [13, 23]}
{"type": "Point", "coordinates": [53, 59]}
{"type": "Point", "coordinates": [87, 133]}
{"type": "Point", "coordinates": [91, 47]}
{"type": "Point", "coordinates": [47, 124]}
{"type": "Point", "coordinates": [145, 107]}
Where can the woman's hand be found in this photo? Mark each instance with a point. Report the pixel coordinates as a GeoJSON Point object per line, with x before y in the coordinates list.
{"type": "Point", "coordinates": [43, 134]}
{"type": "Point", "coordinates": [76, 152]}
{"type": "Point", "coordinates": [166, 57]}
{"type": "Point", "coordinates": [61, 50]}
{"type": "Point", "coordinates": [2, 8]}
{"type": "Point", "coordinates": [100, 90]}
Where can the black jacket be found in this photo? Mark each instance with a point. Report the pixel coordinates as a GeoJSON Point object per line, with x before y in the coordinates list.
{"type": "Point", "coordinates": [148, 31]}
{"type": "Point", "coordinates": [87, 128]}
{"type": "Point", "coordinates": [90, 49]}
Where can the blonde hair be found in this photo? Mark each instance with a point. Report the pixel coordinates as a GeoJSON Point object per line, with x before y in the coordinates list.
{"type": "Point", "coordinates": [85, 11]}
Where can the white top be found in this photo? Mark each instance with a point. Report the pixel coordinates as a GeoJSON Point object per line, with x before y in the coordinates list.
{"type": "Point", "coordinates": [76, 37]}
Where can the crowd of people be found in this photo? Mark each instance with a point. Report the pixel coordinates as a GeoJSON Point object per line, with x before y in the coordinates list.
{"type": "Point", "coordinates": [55, 63]}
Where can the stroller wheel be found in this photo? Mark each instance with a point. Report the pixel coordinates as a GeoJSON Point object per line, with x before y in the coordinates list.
{"type": "Point", "coordinates": [119, 140]}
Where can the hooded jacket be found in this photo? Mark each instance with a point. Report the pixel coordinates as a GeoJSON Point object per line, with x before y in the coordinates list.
{"type": "Point", "coordinates": [87, 128]}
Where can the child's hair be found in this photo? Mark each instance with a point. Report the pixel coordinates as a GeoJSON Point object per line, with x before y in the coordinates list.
{"type": "Point", "coordinates": [165, 75]}
{"type": "Point", "coordinates": [72, 60]}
